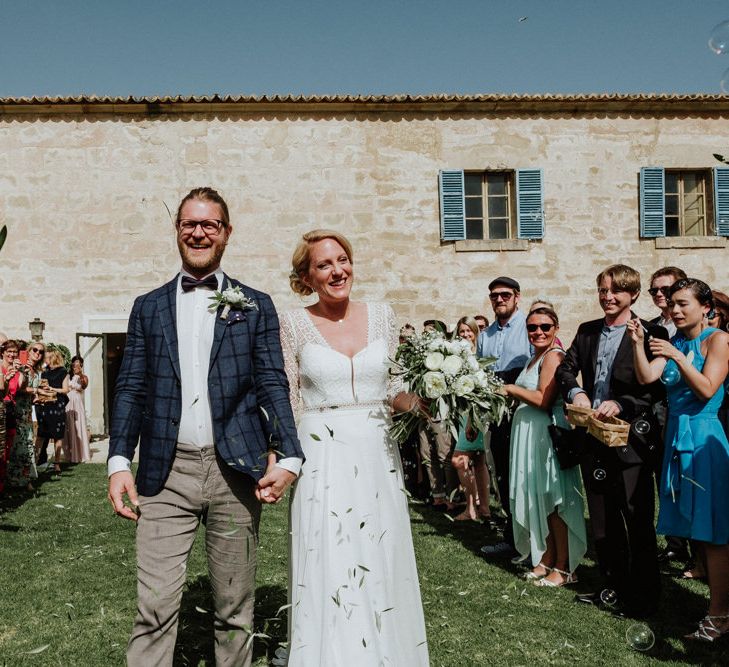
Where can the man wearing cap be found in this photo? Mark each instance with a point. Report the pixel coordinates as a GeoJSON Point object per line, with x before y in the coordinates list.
{"type": "Point", "coordinates": [505, 339]}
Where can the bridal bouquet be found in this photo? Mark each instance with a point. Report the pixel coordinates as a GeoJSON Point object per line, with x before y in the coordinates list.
{"type": "Point", "coordinates": [458, 385]}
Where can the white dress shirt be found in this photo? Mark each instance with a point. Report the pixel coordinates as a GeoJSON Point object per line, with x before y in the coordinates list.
{"type": "Point", "coordinates": [195, 330]}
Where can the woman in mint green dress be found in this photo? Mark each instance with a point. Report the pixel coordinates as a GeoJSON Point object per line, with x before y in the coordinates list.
{"type": "Point", "coordinates": [546, 506]}
{"type": "Point", "coordinates": [694, 486]}
{"type": "Point", "coordinates": [469, 455]}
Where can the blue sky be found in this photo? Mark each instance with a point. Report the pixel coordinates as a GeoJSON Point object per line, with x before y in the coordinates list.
{"type": "Point", "coordinates": [180, 47]}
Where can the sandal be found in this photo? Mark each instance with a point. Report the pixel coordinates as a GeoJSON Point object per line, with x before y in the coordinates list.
{"type": "Point", "coordinates": [694, 573]}
{"type": "Point", "coordinates": [464, 516]}
{"type": "Point", "coordinates": [707, 630]}
{"type": "Point", "coordinates": [532, 575]}
{"type": "Point", "coordinates": [567, 579]}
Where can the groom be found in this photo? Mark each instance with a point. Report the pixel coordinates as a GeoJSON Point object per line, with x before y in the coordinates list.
{"type": "Point", "coordinates": [203, 390]}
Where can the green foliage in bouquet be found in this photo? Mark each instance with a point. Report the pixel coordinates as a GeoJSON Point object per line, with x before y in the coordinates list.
{"type": "Point", "coordinates": [458, 386]}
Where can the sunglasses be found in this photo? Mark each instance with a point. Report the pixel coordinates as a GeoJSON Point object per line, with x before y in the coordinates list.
{"type": "Point", "coordinates": [531, 328]}
{"type": "Point", "coordinates": [40, 350]}
{"type": "Point", "coordinates": [503, 296]}
{"type": "Point", "coordinates": [663, 290]}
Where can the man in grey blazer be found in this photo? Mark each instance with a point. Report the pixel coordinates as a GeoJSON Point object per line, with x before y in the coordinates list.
{"type": "Point", "coordinates": [203, 390]}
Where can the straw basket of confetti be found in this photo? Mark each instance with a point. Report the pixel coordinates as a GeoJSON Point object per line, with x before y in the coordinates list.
{"type": "Point", "coordinates": [612, 432]}
{"type": "Point", "coordinates": [577, 415]}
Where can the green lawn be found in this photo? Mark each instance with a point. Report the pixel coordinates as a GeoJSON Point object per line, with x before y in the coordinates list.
{"type": "Point", "coordinates": [67, 584]}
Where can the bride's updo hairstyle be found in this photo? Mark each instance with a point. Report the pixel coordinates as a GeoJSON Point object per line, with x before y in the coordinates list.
{"type": "Point", "coordinates": [302, 257]}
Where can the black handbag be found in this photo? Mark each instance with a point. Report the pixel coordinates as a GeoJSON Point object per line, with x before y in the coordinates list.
{"type": "Point", "coordinates": [566, 444]}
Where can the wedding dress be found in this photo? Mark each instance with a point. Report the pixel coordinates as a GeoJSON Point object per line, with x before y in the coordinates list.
{"type": "Point", "coordinates": [353, 583]}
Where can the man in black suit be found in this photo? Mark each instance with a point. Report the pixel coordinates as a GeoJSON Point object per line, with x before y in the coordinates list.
{"type": "Point", "coordinates": [618, 480]}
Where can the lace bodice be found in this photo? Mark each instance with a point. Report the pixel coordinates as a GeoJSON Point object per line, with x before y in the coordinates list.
{"type": "Point", "coordinates": [320, 377]}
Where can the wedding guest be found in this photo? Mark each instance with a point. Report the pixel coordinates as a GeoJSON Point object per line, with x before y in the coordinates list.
{"type": "Point", "coordinates": [3, 340]}
{"type": "Point", "coordinates": [660, 285]}
{"type": "Point", "coordinates": [436, 445]}
{"type": "Point", "coordinates": [21, 459]}
{"type": "Point", "coordinates": [21, 462]}
{"type": "Point", "coordinates": [12, 381]}
{"type": "Point", "coordinates": [720, 319]}
{"type": "Point", "coordinates": [52, 415]}
{"type": "Point", "coordinates": [77, 434]}
{"type": "Point", "coordinates": [661, 282]}
{"type": "Point", "coordinates": [546, 506]}
{"type": "Point", "coordinates": [406, 331]}
{"type": "Point", "coordinates": [618, 480]}
{"type": "Point", "coordinates": [694, 494]}
{"type": "Point", "coordinates": [506, 340]}
{"type": "Point", "coordinates": [469, 455]}
{"type": "Point", "coordinates": [482, 322]}
{"type": "Point", "coordinates": [543, 303]}
{"type": "Point", "coordinates": [436, 326]}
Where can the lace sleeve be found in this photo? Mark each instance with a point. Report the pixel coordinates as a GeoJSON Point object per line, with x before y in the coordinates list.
{"type": "Point", "coordinates": [291, 361]}
{"type": "Point", "coordinates": [394, 382]}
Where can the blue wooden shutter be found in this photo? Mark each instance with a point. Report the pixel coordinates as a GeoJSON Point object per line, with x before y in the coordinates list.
{"type": "Point", "coordinates": [721, 200]}
{"type": "Point", "coordinates": [652, 202]}
{"type": "Point", "coordinates": [529, 204]}
{"type": "Point", "coordinates": [452, 205]}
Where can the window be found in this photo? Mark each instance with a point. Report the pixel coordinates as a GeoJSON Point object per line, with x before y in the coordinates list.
{"type": "Point", "coordinates": [491, 205]}
{"type": "Point", "coordinates": [686, 205]}
{"type": "Point", "coordinates": [684, 202]}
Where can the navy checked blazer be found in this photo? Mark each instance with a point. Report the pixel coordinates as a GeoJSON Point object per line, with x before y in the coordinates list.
{"type": "Point", "coordinates": [248, 389]}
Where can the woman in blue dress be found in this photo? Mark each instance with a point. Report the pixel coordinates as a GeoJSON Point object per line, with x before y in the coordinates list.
{"type": "Point", "coordinates": [694, 485]}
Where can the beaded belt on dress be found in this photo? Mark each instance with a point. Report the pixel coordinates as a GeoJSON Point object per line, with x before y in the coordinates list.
{"type": "Point", "coordinates": [348, 406]}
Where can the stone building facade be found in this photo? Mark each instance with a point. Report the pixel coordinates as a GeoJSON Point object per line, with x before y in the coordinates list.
{"type": "Point", "coordinates": [86, 185]}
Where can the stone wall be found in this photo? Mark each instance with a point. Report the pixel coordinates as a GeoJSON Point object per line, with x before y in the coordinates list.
{"type": "Point", "coordinates": [85, 197]}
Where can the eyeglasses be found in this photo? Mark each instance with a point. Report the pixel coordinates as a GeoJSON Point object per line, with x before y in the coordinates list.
{"type": "Point", "coordinates": [531, 328]}
{"type": "Point", "coordinates": [39, 350]}
{"type": "Point", "coordinates": [209, 227]}
{"type": "Point", "coordinates": [501, 296]}
{"type": "Point", "coordinates": [663, 290]}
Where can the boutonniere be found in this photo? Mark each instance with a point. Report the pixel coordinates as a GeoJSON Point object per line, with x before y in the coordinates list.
{"type": "Point", "coordinates": [232, 299]}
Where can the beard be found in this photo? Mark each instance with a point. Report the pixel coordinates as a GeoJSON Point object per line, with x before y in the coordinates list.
{"type": "Point", "coordinates": [203, 263]}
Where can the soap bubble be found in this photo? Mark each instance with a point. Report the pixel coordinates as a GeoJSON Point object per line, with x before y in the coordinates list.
{"type": "Point", "coordinates": [608, 597]}
{"type": "Point", "coordinates": [719, 38]}
{"type": "Point", "coordinates": [641, 426]}
{"type": "Point", "coordinates": [599, 474]}
{"type": "Point", "coordinates": [671, 375]}
{"type": "Point", "coordinates": [640, 637]}
{"type": "Point", "coordinates": [724, 83]}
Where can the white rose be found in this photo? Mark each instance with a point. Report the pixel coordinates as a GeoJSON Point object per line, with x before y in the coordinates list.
{"type": "Point", "coordinates": [453, 347]}
{"type": "Point", "coordinates": [481, 378]}
{"type": "Point", "coordinates": [433, 361]}
{"type": "Point", "coordinates": [435, 384]}
{"type": "Point", "coordinates": [464, 385]}
{"type": "Point", "coordinates": [233, 296]}
{"type": "Point", "coordinates": [451, 365]}
{"type": "Point", "coordinates": [472, 363]}
{"type": "Point", "coordinates": [435, 344]}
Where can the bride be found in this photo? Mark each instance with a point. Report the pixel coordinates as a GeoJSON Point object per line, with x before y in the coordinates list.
{"type": "Point", "coordinates": [353, 583]}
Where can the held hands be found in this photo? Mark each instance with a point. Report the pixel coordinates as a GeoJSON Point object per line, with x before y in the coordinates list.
{"type": "Point", "coordinates": [120, 483]}
{"type": "Point", "coordinates": [272, 486]}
